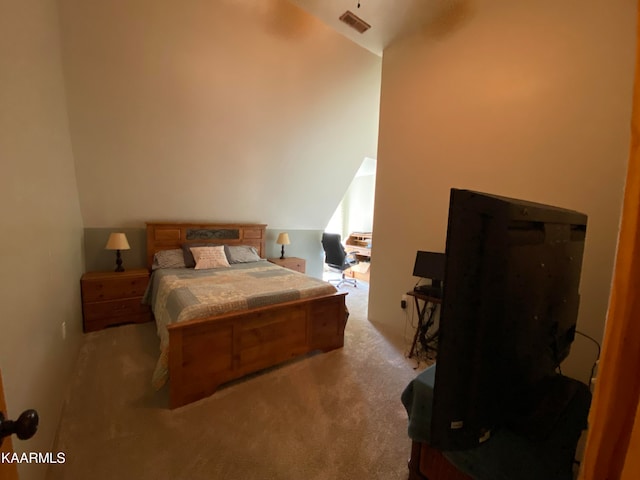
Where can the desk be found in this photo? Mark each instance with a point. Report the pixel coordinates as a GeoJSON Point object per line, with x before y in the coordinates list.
{"type": "Point", "coordinates": [429, 305]}
{"type": "Point", "coordinates": [359, 243]}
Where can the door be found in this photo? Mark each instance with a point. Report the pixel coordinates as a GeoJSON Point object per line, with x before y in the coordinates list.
{"type": "Point", "coordinates": [8, 471]}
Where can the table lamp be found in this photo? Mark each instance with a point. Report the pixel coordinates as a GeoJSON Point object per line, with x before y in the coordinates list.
{"type": "Point", "coordinates": [118, 241]}
{"type": "Point", "coordinates": [283, 239]}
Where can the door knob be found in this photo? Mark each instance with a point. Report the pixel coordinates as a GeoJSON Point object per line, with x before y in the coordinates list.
{"type": "Point", "coordinates": [25, 427]}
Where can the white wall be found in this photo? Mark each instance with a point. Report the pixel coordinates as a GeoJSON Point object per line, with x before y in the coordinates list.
{"type": "Point", "coordinates": [214, 110]}
{"type": "Point", "coordinates": [524, 99]}
{"type": "Point", "coordinates": [360, 202]}
{"type": "Point", "coordinates": [41, 243]}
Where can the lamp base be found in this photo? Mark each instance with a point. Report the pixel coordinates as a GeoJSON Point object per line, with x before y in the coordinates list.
{"type": "Point", "coordinates": [282, 253]}
{"type": "Point", "coordinates": [119, 267]}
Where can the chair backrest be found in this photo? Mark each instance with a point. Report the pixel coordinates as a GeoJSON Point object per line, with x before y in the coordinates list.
{"type": "Point", "coordinates": [334, 254]}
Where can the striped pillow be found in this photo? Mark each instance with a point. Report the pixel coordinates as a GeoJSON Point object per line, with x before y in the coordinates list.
{"type": "Point", "coordinates": [209, 257]}
{"type": "Point", "coordinates": [168, 259]}
{"type": "Point", "coordinates": [241, 254]}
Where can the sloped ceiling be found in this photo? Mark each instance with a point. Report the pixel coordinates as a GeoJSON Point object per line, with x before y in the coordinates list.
{"type": "Point", "coordinates": [389, 19]}
{"type": "Point", "coordinates": [219, 111]}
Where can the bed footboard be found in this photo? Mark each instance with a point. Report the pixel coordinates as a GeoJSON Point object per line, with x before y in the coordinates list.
{"type": "Point", "coordinates": [205, 353]}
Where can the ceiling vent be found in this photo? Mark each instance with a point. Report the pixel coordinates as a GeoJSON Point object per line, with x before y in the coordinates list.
{"type": "Point", "coordinates": [354, 21]}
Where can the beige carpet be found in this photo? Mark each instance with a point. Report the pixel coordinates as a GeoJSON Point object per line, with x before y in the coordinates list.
{"type": "Point", "coordinates": [328, 416]}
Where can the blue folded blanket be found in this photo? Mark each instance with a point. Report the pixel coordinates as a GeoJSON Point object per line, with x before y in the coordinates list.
{"type": "Point", "coordinates": [506, 455]}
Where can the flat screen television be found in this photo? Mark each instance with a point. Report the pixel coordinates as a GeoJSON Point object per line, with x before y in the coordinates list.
{"type": "Point", "coordinates": [508, 318]}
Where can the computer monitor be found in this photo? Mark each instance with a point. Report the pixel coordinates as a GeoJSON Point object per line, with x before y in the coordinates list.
{"type": "Point", "coordinates": [430, 265]}
{"type": "Point", "coordinates": [508, 318]}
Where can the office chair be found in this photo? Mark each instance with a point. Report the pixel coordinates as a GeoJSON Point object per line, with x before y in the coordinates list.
{"type": "Point", "coordinates": [337, 258]}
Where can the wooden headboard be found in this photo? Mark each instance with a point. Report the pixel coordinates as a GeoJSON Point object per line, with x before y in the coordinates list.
{"type": "Point", "coordinates": [165, 236]}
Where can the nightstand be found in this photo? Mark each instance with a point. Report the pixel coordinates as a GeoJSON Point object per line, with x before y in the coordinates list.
{"type": "Point", "coordinates": [114, 298]}
{"type": "Point", "coordinates": [292, 263]}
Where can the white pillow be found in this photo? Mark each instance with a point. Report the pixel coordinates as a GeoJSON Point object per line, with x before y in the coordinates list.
{"type": "Point", "coordinates": [209, 257]}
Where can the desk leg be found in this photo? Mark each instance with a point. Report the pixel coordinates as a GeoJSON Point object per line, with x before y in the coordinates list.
{"type": "Point", "coordinates": [415, 340]}
{"type": "Point", "coordinates": [421, 325]}
{"type": "Point", "coordinates": [424, 339]}
{"type": "Point", "coordinates": [418, 328]}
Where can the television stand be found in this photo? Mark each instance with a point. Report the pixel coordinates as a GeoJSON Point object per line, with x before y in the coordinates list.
{"type": "Point", "coordinates": [428, 463]}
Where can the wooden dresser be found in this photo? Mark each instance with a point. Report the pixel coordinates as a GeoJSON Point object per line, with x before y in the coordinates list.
{"type": "Point", "coordinates": [114, 298]}
{"type": "Point", "coordinates": [292, 263]}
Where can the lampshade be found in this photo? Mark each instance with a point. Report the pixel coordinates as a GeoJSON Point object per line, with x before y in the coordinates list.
{"type": "Point", "coordinates": [283, 239]}
{"type": "Point", "coordinates": [117, 241]}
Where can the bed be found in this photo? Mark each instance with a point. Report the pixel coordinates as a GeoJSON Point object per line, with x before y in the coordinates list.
{"type": "Point", "coordinates": [206, 345]}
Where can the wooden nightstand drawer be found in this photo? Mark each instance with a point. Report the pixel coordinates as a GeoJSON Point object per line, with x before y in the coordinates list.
{"type": "Point", "coordinates": [91, 325]}
{"type": "Point", "coordinates": [114, 308]}
{"type": "Point", "coordinates": [98, 286]}
{"type": "Point", "coordinates": [292, 263]}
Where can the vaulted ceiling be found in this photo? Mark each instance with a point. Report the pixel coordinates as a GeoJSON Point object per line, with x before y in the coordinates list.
{"type": "Point", "coordinates": [227, 110]}
{"type": "Point", "coordinates": [389, 19]}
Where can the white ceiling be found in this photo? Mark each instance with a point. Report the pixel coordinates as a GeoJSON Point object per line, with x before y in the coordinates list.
{"type": "Point", "coordinates": [389, 19]}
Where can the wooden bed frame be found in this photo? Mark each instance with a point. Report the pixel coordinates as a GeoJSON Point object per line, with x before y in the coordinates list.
{"type": "Point", "coordinates": [205, 353]}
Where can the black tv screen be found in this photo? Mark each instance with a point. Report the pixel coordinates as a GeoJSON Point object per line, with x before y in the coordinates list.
{"type": "Point", "coordinates": [509, 313]}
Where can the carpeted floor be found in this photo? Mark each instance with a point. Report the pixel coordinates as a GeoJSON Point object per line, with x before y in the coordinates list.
{"type": "Point", "coordinates": [328, 416]}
